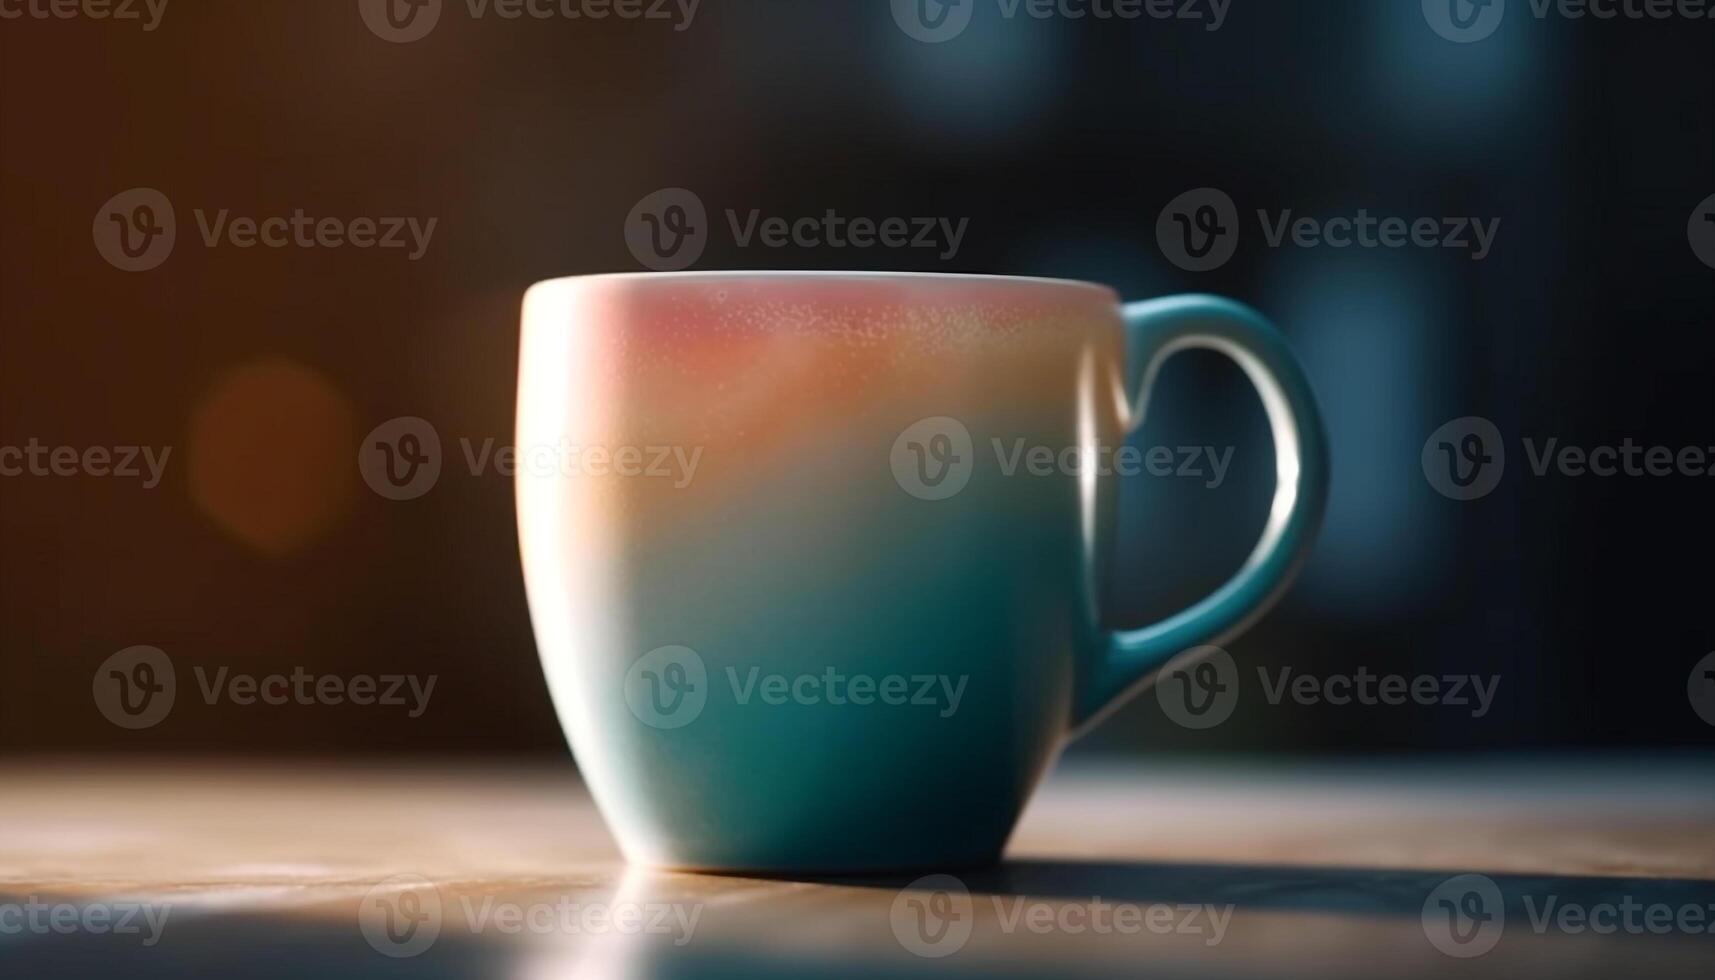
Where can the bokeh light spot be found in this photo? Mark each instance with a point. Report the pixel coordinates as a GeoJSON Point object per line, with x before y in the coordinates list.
{"type": "Point", "coordinates": [270, 453]}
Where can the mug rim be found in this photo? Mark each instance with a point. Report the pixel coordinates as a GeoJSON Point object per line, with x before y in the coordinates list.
{"type": "Point", "coordinates": [1083, 285]}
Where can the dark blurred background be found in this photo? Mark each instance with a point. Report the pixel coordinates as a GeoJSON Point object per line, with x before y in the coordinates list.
{"type": "Point", "coordinates": [530, 141]}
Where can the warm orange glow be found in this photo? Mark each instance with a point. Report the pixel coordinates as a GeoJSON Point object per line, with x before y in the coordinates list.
{"type": "Point", "coordinates": [270, 455]}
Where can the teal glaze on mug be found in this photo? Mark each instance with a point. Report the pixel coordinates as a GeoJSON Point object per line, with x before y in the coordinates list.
{"type": "Point", "coordinates": [795, 614]}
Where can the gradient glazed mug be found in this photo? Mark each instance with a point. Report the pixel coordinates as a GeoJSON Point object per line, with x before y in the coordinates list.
{"type": "Point", "coordinates": [795, 613]}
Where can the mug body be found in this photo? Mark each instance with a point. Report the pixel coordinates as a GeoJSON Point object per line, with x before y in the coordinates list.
{"type": "Point", "coordinates": [810, 557]}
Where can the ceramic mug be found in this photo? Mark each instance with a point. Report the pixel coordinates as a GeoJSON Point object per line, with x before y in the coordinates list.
{"type": "Point", "coordinates": [796, 611]}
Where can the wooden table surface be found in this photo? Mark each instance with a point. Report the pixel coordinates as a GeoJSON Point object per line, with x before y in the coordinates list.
{"type": "Point", "coordinates": [1283, 869]}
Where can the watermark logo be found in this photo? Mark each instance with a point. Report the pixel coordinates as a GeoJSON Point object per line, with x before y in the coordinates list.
{"type": "Point", "coordinates": [1700, 688]}
{"type": "Point", "coordinates": [933, 21]}
{"type": "Point", "coordinates": [149, 12]}
{"type": "Point", "coordinates": [1464, 21]}
{"type": "Point", "coordinates": [400, 21]}
{"type": "Point", "coordinates": [936, 21]}
{"type": "Point", "coordinates": [933, 458]}
{"type": "Point", "coordinates": [1702, 230]}
{"type": "Point", "coordinates": [668, 230]}
{"type": "Point", "coordinates": [667, 687]}
{"type": "Point", "coordinates": [1199, 230]}
{"type": "Point", "coordinates": [35, 917]}
{"type": "Point", "coordinates": [404, 916]}
{"type": "Point", "coordinates": [404, 21]}
{"type": "Point", "coordinates": [401, 916]}
{"type": "Point", "coordinates": [135, 688]}
{"type": "Point", "coordinates": [1465, 916]}
{"type": "Point", "coordinates": [400, 459]}
{"type": "Point", "coordinates": [135, 230]}
{"type": "Point", "coordinates": [1199, 688]}
{"type": "Point", "coordinates": [933, 917]}
{"type": "Point", "coordinates": [1465, 458]}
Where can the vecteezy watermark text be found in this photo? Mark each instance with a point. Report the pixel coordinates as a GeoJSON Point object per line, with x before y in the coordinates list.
{"type": "Point", "coordinates": [935, 21]}
{"type": "Point", "coordinates": [933, 917]}
{"type": "Point", "coordinates": [33, 916]}
{"type": "Point", "coordinates": [1199, 231]}
{"type": "Point", "coordinates": [136, 231]}
{"type": "Point", "coordinates": [400, 459]}
{"type": "Point", "coordinates": [147, 12]}
{"type": "Point", "coordinates": [935, 458]}
{"type": "Point", "coordinates": [675, 464]}
{"type": "Point", "coordinates": [668, 687]}
{"type": "Point", "coordinates": [668, 230]}
{"type": "Point", "coordinates": [118, 462]}
{"type": "Point", "coordinates": [137, 687]}
{"type": "Point", "coordinates": [1466, 916]}
{"type": "Point", "coordinates": [404, 21]}
{"type": "Point", "coordinates": [1468, 21]}
{"type": "Point", "coordinates": [1204, 463]}
{"type": "Point", "coordinates": [1200, 689]}
{"type": "Point", "coordinates": [1465, 458]}
{"type": "Point", "coordinates": [404, 915]}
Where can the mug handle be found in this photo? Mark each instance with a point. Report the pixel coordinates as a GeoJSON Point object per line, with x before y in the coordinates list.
{"type": "Point", "coordinates": [1155, 331]}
